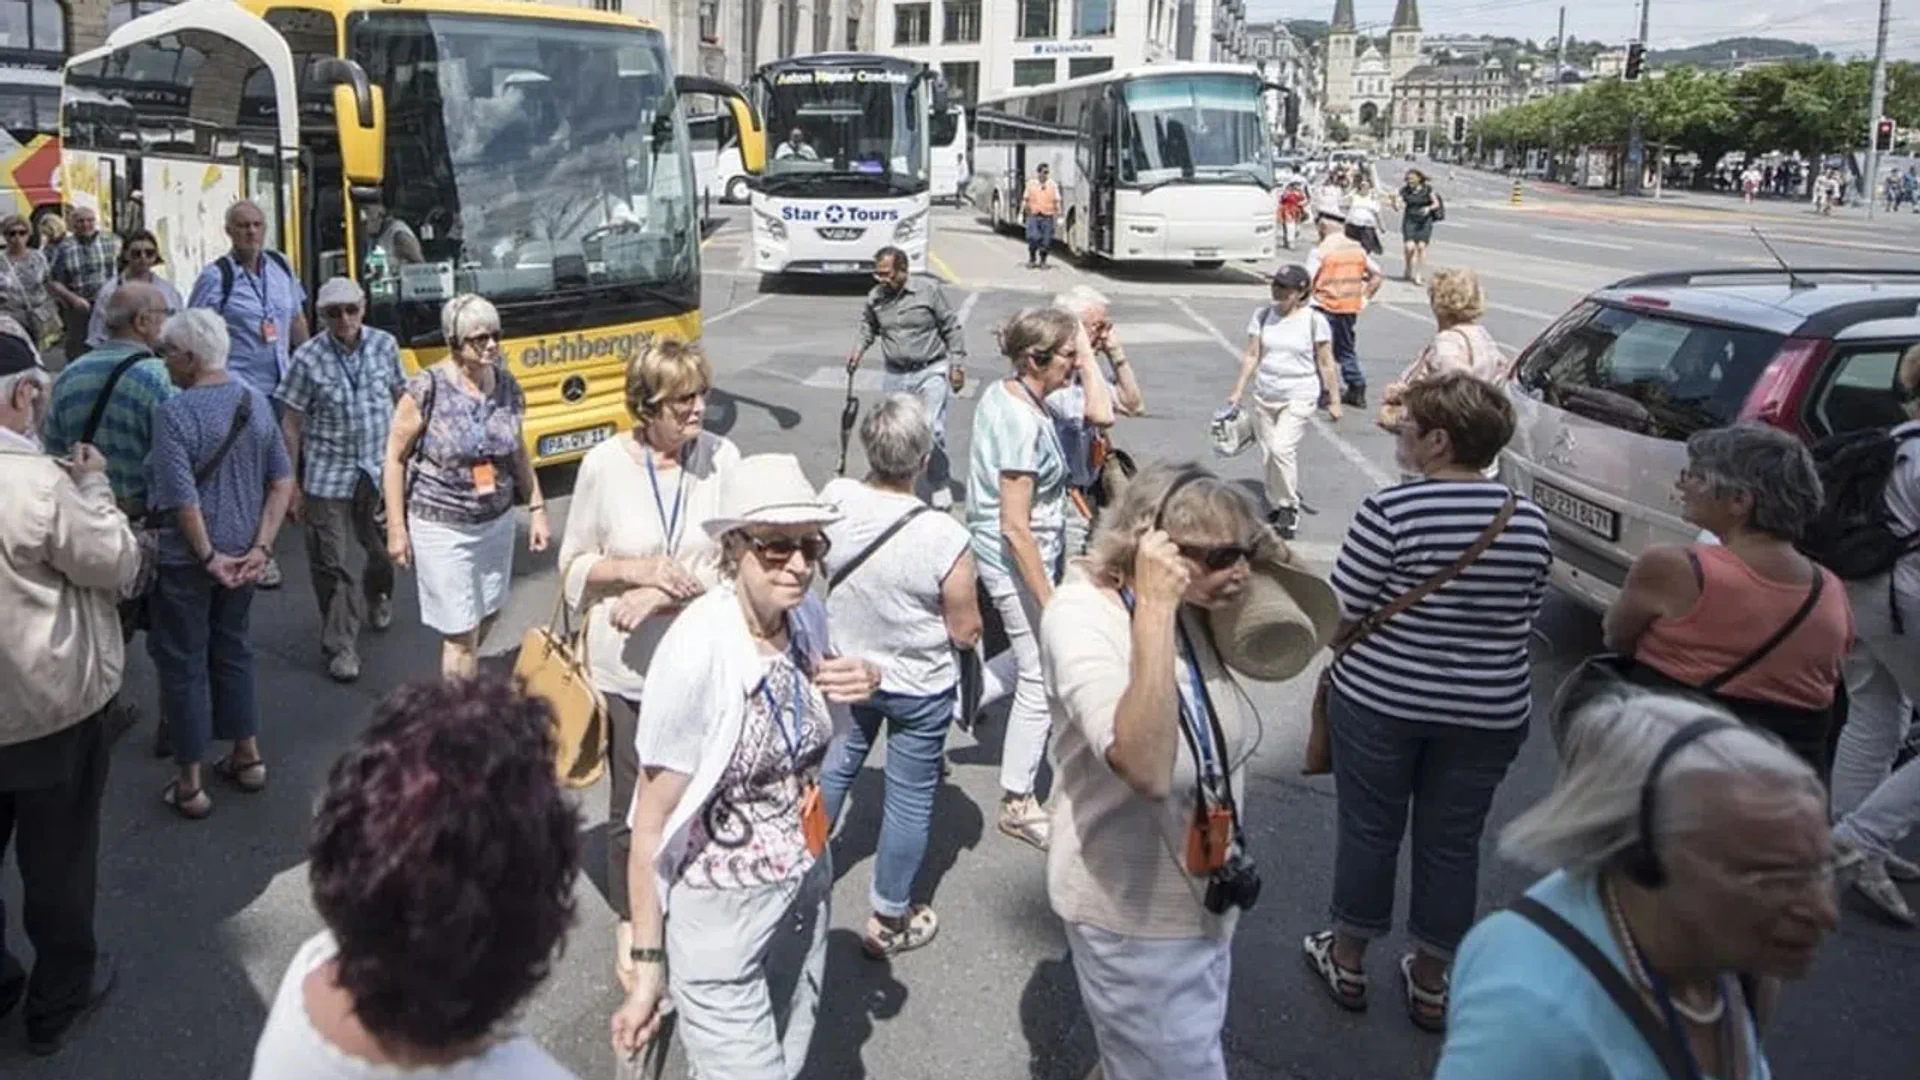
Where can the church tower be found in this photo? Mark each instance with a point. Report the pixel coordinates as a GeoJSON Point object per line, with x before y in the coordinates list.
{"type": "Point", "coordinates": [1337, 101]}
{"type": "Point", "coordinates": [1403, 41]}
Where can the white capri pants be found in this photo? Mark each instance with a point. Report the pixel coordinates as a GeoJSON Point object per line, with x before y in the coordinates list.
{"type": "Point", "coordinates": [1029, 720]}
{"type": "Point", "coordinates": [1157, 1005]}
{"type": "Point", "coordinates": [1279, 426]}
{"type": "Point", "coordinates": [744, 964]}
{"type": "Point", "coordinates": [1875, 809]}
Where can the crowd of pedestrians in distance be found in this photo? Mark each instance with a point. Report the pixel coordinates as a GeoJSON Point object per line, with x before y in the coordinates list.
{"type": "Point", "coordinates": [753, 638]}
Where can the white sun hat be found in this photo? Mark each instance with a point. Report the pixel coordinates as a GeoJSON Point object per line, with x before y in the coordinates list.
{"type": "Point", "coordinates": [767, 489]}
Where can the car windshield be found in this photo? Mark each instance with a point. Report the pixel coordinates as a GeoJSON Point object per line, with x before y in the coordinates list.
{"type": "Point", "coordinates": [1196, 128]}
{"type": "Point", "coordinates": [1647, 373]}
{"type": "Point", "coordinates": [845, 126]}
{"type": "Point", "coordinates": [528, 160]}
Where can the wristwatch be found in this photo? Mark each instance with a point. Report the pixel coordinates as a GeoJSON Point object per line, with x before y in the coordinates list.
{"type": "Point", "coordinates": [641, 955]}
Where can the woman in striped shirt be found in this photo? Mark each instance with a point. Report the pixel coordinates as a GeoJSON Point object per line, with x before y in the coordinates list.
{"type": "Point", "coordinates": [1430, 709]}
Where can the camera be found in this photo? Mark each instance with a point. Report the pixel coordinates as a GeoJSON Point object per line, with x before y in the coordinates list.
{"type": "Point", "coordinates": [1235, 885]}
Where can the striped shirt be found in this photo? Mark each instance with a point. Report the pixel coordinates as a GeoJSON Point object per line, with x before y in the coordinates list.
{"type": "Point", "coordinates": [1460, 655]}
{"type": "Point", "coordinates": [126, 428]}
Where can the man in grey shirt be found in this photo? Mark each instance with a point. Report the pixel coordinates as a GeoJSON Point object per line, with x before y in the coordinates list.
{"type": "Point", "coordinates": [921, 342]}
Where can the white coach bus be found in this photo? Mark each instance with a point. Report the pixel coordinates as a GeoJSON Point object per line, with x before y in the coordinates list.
{"type": "Point", "coordinates": [1160, 163]}
{"type": "Point", "coordinates": [950, 155]}
{"type": "Point", "coordinates": [849, 166]}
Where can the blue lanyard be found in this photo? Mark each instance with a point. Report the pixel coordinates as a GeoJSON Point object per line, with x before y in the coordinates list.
{"type": "Point", "coordinates": [340, 358]}
{"type": "Point", "coordinates": [791, 735]}
{"type": "Point", "coordinates": [668, 522]}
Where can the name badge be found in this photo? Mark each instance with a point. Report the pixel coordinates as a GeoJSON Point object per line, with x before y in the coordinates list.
{"type": "Point", "coordinates": [269, 331]}
{"type": "Point", "coordinates": [483, 478]}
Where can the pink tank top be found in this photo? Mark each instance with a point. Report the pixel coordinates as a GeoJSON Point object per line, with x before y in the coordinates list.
{"type": "Point", "coordinates": [1737, 612]}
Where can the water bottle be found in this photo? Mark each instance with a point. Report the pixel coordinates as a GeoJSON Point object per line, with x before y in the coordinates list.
{"type": "Point", "coordinates": [377, 272]}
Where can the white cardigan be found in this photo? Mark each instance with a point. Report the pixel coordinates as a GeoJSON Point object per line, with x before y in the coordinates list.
{"type": "Point", "coordinates": [699, 682]}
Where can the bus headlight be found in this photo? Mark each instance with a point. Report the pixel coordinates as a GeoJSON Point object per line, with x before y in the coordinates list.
{"type": "Point", "coordinates": [776, 229]}
{"type": "Point", "coordinates": [910, 227]}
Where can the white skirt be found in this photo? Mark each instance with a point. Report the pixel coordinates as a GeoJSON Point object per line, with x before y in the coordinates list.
{"type": "Point", "coordinates": [462, 571]}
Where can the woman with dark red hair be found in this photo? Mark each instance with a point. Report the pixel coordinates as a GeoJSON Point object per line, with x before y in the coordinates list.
{"type": "Point", "coordinates": [443, 863]}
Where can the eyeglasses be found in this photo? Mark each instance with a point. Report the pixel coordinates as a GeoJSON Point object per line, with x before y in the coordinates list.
{"type": "Point", "coordinates": [685, 403]}
{"type": "Point", "coordinates": [16, 232]}
{"type": "Point", "coordinates": [484, 337]}
{"type": "Point", "coordinates": [779, 552]}
{"type": "Point", "coordinates": [142, 253]}
{"type": "Point", "coordinates": [1217, 558]}
{"type": "Point", "coordinates": [335, 311]}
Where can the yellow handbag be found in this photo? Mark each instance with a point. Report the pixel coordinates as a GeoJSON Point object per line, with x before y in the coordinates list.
{"type": "Point", "coordinates": [553, 665]}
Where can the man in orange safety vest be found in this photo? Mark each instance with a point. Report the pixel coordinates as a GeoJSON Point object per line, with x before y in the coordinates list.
{"type": "Point", "coordinates": [1345, 277]}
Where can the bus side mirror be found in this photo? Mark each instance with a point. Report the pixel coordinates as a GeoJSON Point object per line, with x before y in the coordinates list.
{"type": "Point", "coordinates": [360, 120]}
{"type": "Point", "coordinates": [942, 97]}
{"type": "Point", "coordinates": [753, 135]}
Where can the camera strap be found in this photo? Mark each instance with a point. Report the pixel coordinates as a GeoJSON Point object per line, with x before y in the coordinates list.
{"type": "Point", "coordinates": [1207, 742]}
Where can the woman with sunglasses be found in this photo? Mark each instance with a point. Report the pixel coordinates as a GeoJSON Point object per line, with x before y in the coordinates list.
{"type": "Point", "coordinates": [139, 255]}
{"type": "Point", "coordinates": [729, 824]}
{"type": "Point", "coordinates": [454, 459]}
{"type": "Point", "coordinates": [25, 295]}
{"type": "Point", "coordinates": [1143, 759]}
{"type": "Point", "coordinates": [1016, 510]}
{"type": "Point", "coordinates": [633, 556]}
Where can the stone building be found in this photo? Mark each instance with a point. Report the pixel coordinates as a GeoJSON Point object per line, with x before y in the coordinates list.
{"type": "Point", "coordinates": [1359, 77]}
{"type": "Point", "coordinates": [1435, 105]}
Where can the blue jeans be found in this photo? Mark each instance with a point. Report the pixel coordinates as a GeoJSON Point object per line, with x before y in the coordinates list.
{"type": "Point", "coordinates": [1345, 352]}
{"type": "Point", "coordinates": [1449, 773]}
{"type": "Point", "coordinates": [200, 651]}
{"type": "Point", "coordinates": [1039, 236]}
{"type": "Point", "coordinates": [930, 385]}
{"type": "Point", "coordinates": [916, 737]}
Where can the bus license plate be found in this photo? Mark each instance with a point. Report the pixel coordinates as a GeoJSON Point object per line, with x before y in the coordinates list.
{"type": "Point", "coordinates": [1597, 520]}
{"type": "Point", "coordinates": [842, 267]}
{"type": "Point", "coordinates": [1206, 253]}
{"type": "Point", "coordinates": [574, 441]}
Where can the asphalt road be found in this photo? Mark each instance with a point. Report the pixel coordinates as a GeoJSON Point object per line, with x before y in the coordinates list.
{"type": "Point", "coordinates": [204, 917]}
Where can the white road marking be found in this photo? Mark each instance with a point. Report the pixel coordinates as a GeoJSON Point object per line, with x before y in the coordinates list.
{"type": "Point", "coordinates": [966, 306]}
{"type": "Point", "coordinates": [738, 308]}
{"type": "Point", "coordinates": [868, 380]}
{"type": "Point", "coordinates": [1560, 238]}
{"type": "Point", "coordinates": [1355, 457]}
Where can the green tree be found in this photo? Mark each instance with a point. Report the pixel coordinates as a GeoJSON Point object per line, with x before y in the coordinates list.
{"type": "Point", "coordinates": [1688, 109]}
{"type": "Point", "coordinates": [1337, 130]}
{"type": "Point", "coordinates": [1814, 107]}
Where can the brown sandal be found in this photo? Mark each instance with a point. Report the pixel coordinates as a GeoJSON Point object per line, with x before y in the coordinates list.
{"type": "Point", "coordinates": [248, 776]}
{"type": "Point", "coordinates": [192, 805]}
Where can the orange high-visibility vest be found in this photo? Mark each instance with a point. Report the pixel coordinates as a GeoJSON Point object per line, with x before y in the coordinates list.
{"type": "Point", "coordinates": [1341, 284]}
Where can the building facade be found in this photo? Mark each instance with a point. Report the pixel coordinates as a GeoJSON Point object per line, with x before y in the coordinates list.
{"type": "Point", "coordinates": [1435, 106]}
{"type": "Point", "coordinates": [1284, 59]}
{"type": "Point", "coordinates": [1359, 78]}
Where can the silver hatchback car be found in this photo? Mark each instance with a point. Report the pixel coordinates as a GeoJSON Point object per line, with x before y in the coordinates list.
{"type": "Point", "coordinates": [1606, 397]}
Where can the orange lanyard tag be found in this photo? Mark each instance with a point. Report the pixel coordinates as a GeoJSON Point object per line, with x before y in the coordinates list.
{"type": "Point", "coordinates": [1208, 835]}
{"type": "Point", "coordinates": [483, 478]}
{"type": "Point", "coordinates": [813, 818]}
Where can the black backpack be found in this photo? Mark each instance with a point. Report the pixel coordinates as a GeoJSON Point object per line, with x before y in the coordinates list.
{"type": "Point", "coordinates": [227, 270]}
{"type": "Point", "coordinates": [1855, 536]}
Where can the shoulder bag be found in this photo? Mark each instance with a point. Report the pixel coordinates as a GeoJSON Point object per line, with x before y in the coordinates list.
{"type": "Point", "coordinates": [1319, 756]}
{"type": "Point", "coordinates": [553, 665]}
{"type": "Point", "coordinates": [879, 542]}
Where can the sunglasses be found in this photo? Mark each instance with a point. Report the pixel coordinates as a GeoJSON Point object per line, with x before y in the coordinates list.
{"type": "Point", "coordinates": [142, 253]}
{"type": "Point", "coordinates": [336, 310]}
{"type": "Point", "coordinates": [16, 232]}
{"type": "Point", "coordinates": [780, 552]}
{"type": "Point", "coordinates": [484, 337]}
{"type": "Point", "coordinates": [1219, 558]}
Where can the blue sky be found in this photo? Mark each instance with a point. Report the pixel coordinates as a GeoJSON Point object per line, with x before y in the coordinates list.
{"type": "Point", "coordinates": [1843, 27]}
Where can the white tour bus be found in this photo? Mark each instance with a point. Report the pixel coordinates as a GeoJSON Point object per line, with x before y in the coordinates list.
{"type": "Point", "coordinates": [1160, 163]}
{"type": "Point", "coordinates": [716, 157]}
{"type": "Point", "coordinates": [848, 162]}
{"type": "Point", "coordinates": [950, 155]}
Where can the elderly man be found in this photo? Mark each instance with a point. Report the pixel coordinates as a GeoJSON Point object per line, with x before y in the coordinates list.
{"type": "Point", "coordinates": [77, 268]}
{"type": "Point", "coordinates": [107, 399]}
{"type": "Point", "coordinates": [1688, 871]}
{"type": "Point", "coordinates": [256, 291]}
{"type": "Point", "coordinates": [67, 552]}
{"type": "Point", "coordinates": [1079, 435]}
{"type": "Point", "coordinates": [923, 347]}
{"type": "Point", "coordinates": [337, 402]}
{"type": "Point", "coordinates": [1345, 277]}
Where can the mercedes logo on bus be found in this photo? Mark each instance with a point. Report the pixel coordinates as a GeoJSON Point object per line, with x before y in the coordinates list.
{"type": "Point", "coordinates": [574, 388]}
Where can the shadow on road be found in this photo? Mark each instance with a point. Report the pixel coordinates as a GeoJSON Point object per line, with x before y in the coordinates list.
{"type": "Point", "coordinates": [1059, 1039]}
{"type": "Point", "coordinates": [860, 991]}
{"type": "Point", "coordinates": [723, 412]}
{"type": "Point", "coordinates": [958, 825]}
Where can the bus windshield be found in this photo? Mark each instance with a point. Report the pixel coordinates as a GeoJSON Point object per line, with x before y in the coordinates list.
{"type": "Point", "coordinates": [1195, 129]}
{"type": "Point", "coordinates": [527, 161]}
{"type": "Point", "coordinates": [847, 127]}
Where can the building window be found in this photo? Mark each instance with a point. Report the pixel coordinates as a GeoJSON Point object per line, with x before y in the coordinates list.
{"type": "Point", "coordinates": [1092, 18]}
{"type": "Point", "coordinates": [912, 24]}
{"type": "Point", "coordinates": [853, 34]}
{"type": "Point", "coordinates": [120, 12]}
{"type": "Point", "coordinates": [709, 20]}
{"type": "Point", "coordinates": [1036, 21]}
{"type": "Point", "coordinates": [1035, 72]}
{"type": "Point", "coordinates": [962, 23]}
{"type": "Point", "coordinates": [1088, 65]}
{"type": "Point", "coordinates": [963, 80]}
{"type": "Point", "coordinates": [607, 5]}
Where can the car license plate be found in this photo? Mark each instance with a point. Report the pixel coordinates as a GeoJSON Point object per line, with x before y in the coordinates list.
{"type": "Point", "coordinates": [842, 267]}
{"type": "Point", "coordinates": [1597, 520]}
{"type": "Point", "coordinates": [1206, 253]}
{"type": "Point", "coordinates": [574, 441]}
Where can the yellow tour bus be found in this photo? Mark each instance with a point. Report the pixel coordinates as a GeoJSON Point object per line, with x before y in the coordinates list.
{"type": "Point", "coordinates": [532, 154]}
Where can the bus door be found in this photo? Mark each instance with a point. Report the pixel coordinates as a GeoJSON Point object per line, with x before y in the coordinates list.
{"type": "Point", "coordinates": [1098, 175]}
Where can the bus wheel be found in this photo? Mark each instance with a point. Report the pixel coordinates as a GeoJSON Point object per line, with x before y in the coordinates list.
{"type": "Point", "coordinates": [1209, 264]}
{"type": "Point", "coordinates": [993, 213]}
{"type": "Point", "coordinates": [737, 190]}
{"type": "Point", "coordinates": [1076, 245]}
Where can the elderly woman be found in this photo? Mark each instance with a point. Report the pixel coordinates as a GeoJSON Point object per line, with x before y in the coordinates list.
{"type": "Point", "coordinates": [26, 298]}
{"type": "Point", "coordinates": [1418, 204]}
{"type": "Point", "coordinates": [633, 557]}
{"type": "Point", "coordinates": [219, 481]}
{"type": "Point", "coordinates": [454, 459]}
{"type": "Point", "coordinates": [443, 863]}
{"type": "Point", "coordinates": [139, 257]}
{"type": "Point", "coordinates": [1430, 700]}
{"type": "Point", "coordinates": [1290, 347]}
{"type": "Point", "coordinates": [1460, 344]}
{"type": "Point", "coordinates": [902, 595]}
{"type": "Point", "coordinates": [1688, 862]}
{"type": "Point", "coordinates": [1749, 620]}
{"type": "Point", "coordinates": [1150, 740]}
{"type": "Point", "coordinates": [729, 828]}
{"type": "Point", "coordinates": [1016, 512]}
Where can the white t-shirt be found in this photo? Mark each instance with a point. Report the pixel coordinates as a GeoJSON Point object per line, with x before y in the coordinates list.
{"type": "Point", "coordinates": [1363, 212]}
{"type": "Point", "coordinates": [888, 609]}
{"type": "Point", "coordinates": [1287, 369]}
{"type": "Point", "coordinates": [291, 1048]}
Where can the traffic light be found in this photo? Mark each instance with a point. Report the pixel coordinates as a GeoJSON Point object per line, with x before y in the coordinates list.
{"type": "Point", "coordinates": [1459, 128]}
{"type": "Point", "coordinates": [1883, 134]}
{"type": "Point", "coordinates": [1636, 58]}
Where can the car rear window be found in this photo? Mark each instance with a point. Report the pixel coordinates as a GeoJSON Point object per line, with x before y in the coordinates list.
{"type": "Point", "coordinates": [1646, 372]}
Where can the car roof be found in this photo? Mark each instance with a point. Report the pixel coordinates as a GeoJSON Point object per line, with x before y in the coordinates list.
{"type": "Point", "coordinates": [1819, 302]}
